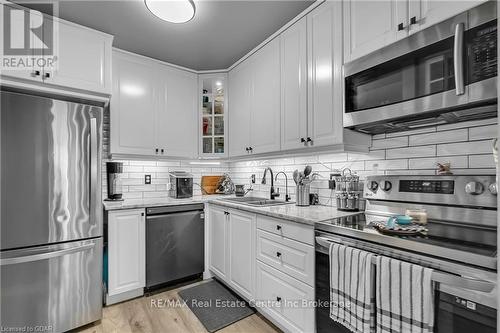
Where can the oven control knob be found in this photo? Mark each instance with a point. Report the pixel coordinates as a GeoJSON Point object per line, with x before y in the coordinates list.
{"type": "Point", "coordinates": [386, 185]}
{"type": "Point", "coordinates": [474, 188]}
{"type": "Point", "coordinates": [493, 188]}
{"type": "Point", "coordinates": [373, 186]}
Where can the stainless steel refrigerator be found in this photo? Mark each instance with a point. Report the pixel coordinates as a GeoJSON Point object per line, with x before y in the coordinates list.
{"type": "Point", "coordinates": [51, 213]}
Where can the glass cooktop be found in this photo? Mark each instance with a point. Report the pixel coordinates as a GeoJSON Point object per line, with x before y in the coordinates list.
{"type": "Point", "coordinates": [479, 240]}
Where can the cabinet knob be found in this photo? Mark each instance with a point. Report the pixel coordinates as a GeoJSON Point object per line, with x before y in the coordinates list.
{"type": "Point", "coordinates": [278, 227]}
{"type": "Point", "coordinates": [401, 27]}
{"type": "Point", "coordinates": [278, 299]}
{"type": "Point", "coordinates": [157, 150]}
{"type": "Point", "coordinates": [302, 140]}
{"type": "Point", "coordinates": [309, 139]}
{"type": "Point", "coordinates": [47, 75]}
{"type": "Point", "coordinates": [413, 20]}
{"type": "Point", "coordinates": [142, 214]}
{"type": "Point", "coordinates": [278, 254]}
{"type": "Point", "coordinates": [162, 151]}
{"type": "Point", "coordinates": [35, 73]}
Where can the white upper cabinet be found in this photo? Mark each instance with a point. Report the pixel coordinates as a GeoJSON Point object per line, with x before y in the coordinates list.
{"type": "Point", "coordinates": [80, 58]}
{"type": "Point", "coordinates": [325, 75]}
{"type": "Point", "coordinates": [265, 100]}
{"type": "Point", "coordinates": [254, 103]}
{"type": "Point", "coordinates": [153, 108]}
{"type": "Point", "coordinates": [370, 25]}
{"type": "Point", "coordinates": [84, 58]}
{"type": "Point", "coordinates": [177, 114]}
{"type": "Point", "coordinates": [239, 109]}
{"type": "Point", "coordinates": [133, 105]}
{"type": "Point", "coordinates": [424, 13]}
{"type": "Point", "coordinates": [293, 49]}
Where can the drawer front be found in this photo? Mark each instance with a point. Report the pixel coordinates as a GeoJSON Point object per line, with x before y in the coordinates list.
{"type": "Point", "coordinates": [287, 255]}
{"type": "Point", "coordinates": [283, 299]}
{"type": "Point", "coordinates": [299, 232]}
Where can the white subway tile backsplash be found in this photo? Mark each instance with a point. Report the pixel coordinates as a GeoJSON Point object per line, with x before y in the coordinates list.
{"type": "Point", "coordinates": [411, 132]}
{"type": "Point", "coordinates": [390, 143]}
{"type": "Point", "coordinates": [483, 132]}
{"type": "Point", "coordinates": [373, 155]}
{"type": "Point", "coordinates": [466, 124]}
{"type": "Point", "coordinates": [431, 162]}
{"type": "Point", "coordinates": [386, 164]}
{"type": "Point", "coordinates": [439, 137]}
{"type": "Point", "coordinates": [481, 161]}
{"type": "Point", "coordinates": [468, 148]}
{"type": "Point", "coordinates": [420, 151]}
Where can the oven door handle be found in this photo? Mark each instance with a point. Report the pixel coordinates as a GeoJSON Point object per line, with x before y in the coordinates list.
{"type": "Point", "coordinates": [456, 281]}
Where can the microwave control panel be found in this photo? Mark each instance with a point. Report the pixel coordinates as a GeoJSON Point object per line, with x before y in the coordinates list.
{"type": "Point", "coordinates": [482, 52]}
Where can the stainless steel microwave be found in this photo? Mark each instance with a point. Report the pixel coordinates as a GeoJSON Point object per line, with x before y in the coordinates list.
{"type": "Point", "coordinates": [443, 74]}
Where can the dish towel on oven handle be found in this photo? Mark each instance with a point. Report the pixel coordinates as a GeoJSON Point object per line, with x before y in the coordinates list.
{"type": "Point", "coordinates": [404, 293]}
{"type": "Point", "coordinates": [352, 290]}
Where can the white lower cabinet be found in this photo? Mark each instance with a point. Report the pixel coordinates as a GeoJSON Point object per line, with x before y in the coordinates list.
{"type": "Point", "coordinates": [232, 248]}
{"type": "Point", "coordinates": [266, 260]}
{"type": "Point", "coordinates": [217, 241]}
{"type": "Point", "coordinates": [242, 252]}
{"type": "Point", "coordinates": [287, 255]}
{"type": "Point", "coordinates": [285, 300]}
{"type": "Point", "coordinates": [126, 254]}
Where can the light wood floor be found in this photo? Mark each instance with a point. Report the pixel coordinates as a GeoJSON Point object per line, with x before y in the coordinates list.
{"type": "Point", "coordinates": [138, 315]}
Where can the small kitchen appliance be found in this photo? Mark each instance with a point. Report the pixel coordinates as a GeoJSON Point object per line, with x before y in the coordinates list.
{"type": "Point", "coordinates": [114, 171]}
{"type": "Point", "coordinates": [458, 241]}
{"type": "Point", "coordinates": [181, 185]}
{"type": "Point", "coordinates": [445, 73]}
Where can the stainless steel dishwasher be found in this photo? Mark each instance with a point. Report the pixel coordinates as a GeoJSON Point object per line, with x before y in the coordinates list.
{"type": "Point", "coordinates": [174, 244]}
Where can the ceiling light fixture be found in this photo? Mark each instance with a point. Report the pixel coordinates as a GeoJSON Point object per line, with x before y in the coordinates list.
{"type": "Point", "coordinates": [175, 11]}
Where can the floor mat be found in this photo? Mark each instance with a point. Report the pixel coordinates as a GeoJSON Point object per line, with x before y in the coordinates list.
{"type": "Point", "coordinates": [215, 305]}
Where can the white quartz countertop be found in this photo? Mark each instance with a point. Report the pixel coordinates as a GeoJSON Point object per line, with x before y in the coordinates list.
{"type": "Point", "coordinates": [155, 202]}
{"type": "Point", "coordinates": [307, 215]}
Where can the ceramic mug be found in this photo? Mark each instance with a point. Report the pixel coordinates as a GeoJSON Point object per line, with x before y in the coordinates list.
{"type": "Point", "coordinates": [399, 219]}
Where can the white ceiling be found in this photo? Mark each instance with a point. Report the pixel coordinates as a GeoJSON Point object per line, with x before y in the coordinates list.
{"type": "Point", "coordinates": [220, 33]}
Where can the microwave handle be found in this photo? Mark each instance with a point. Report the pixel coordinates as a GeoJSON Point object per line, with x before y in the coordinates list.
{"type": "Point", "coordinates": [458, 59]}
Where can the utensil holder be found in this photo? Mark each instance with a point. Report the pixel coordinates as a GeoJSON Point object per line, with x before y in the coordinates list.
{"type": "Point", "coordinates": [302, 192]}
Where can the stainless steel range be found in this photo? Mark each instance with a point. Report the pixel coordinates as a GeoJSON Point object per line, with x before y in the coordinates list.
{"type": "Point", "coordinates": [458, 242]}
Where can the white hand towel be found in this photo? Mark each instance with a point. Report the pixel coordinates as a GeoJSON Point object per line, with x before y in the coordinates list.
{"type": "Point", "coordinates": [405, 297]}
{"type": "Point", "coordinates": [352, 294]}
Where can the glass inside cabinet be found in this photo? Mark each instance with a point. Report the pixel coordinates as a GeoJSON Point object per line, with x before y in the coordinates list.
{"type": "Point", "coordinates": [212, 115]}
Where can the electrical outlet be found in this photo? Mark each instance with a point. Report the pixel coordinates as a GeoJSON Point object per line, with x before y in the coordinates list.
{"type": "Point", "coordinates": [253, 179]}
{"type": "Point", "coordinates": [147, 179]}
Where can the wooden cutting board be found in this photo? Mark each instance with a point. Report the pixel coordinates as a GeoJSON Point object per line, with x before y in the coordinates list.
{"type": "Point", "coordinates": [209, 184]}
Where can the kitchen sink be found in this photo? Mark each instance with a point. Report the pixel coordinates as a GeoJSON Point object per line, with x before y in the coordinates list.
{"type": "Point", "coordinates": [255, 201]}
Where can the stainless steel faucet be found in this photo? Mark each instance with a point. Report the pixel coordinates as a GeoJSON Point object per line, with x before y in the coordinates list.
{"type": "Point", "coordinates": [272, 193]}
{"type": "Point", "coordinates": [287, 197]}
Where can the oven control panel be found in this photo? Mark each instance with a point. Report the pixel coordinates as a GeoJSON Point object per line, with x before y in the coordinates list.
{"type": "Point", "coordinates": [427, 186]}
{"type": "Point", "coordinates": [471, 190]}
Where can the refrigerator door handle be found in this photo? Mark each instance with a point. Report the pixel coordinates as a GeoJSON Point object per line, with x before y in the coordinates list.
{"type": "Point", "coordinates": [93, 170]}
{"type": "Point", "coordinates": [45, 255]}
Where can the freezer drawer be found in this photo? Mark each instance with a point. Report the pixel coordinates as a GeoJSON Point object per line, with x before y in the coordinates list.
{"type": "Point", "coordinates": [51, 288]}
{"type": "Point", "coordinates": [174, 246]}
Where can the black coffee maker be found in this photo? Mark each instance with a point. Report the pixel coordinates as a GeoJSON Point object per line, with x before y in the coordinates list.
{"type": "Point", "coordinates": [113, 172]}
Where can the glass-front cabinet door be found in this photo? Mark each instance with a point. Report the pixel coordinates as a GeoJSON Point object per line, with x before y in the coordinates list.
{"type": "Point", "coordinates": [213, 115]}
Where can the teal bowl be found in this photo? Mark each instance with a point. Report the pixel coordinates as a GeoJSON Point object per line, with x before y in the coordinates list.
{"type": "Point", "coordinates": [399, 219]}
